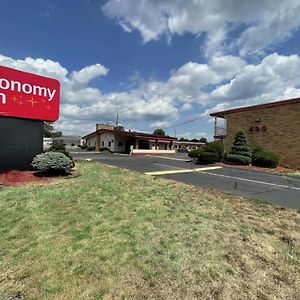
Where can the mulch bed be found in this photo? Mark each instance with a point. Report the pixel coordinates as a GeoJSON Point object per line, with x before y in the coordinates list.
{"type": "Point", "coordinates": [14, 178]}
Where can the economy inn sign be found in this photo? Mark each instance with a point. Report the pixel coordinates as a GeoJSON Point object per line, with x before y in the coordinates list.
{"type": "Point", "coordinates": [29, 96]}
{"type": "Point", "coordinates": [26, 100]}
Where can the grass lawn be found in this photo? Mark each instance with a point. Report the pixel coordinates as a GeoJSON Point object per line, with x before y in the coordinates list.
{"type": "Point", "coordinates": [117, 234]}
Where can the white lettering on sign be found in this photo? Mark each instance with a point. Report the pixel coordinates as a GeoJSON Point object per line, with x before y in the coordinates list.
{"type": "Point", "coordinates": [4, 84]}
{"type": "Point", "coordinates": [3, 98]}
{"type": "Point", "coordinates": [25, 88]}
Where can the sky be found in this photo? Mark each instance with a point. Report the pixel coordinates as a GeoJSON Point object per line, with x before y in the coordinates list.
{"type": "Point", "coordinates": [155, 63]}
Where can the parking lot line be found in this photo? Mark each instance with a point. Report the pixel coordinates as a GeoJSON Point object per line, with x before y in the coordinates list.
{"type": "Point", "coordinates": [179, 170]}
{"type": "Point", "coordinates": [207, 168]}
{"type": "Point", "coordinates": [254, 181]}
{"type": "Point", "coordinates": [155, 173]}
{"type": "Point", "coordinates": [171, 158]}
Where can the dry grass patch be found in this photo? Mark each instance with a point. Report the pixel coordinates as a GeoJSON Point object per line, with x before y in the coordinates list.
{"type": "Point", "coordinates": [117, 234]}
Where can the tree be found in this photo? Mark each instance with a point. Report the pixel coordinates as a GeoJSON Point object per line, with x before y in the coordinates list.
{"type": "Point", "coordinates": [183, 140]}
{"type": "Point", "coordinates": [119, 128]}
{"type": "Point", "coordinates": [194, 141]}
{"type": "Point", "coordinates": [203, 140]}
{"type": "Point", "coordinates": [159, 132]}
{"type": "Point", "coordinates": [240, 145]}
{"type": "Point", "coordinates": [49, 131]}
{"type": "Point", "coordinates": [240, 152]}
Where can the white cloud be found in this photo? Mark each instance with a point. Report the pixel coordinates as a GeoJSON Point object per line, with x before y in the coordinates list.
{"type": "Point", "coordinates": [231, 83]}
{"type": "Point", "coordinates": [265, 22]}
{"type": "Point", "coordinates": [270, 79]}
{"type": "Point", "coordinates": [85, 75]}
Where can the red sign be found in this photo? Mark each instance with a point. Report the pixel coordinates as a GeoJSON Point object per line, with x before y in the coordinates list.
{"type": "Point", "coordinates": [26, 95]}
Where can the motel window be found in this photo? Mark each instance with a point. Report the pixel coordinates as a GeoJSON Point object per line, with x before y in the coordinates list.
{"type": "Point", "coordinates": [89, 143]}
{"type": "Point", "coordinates": [120, 144]}
{"type": "Point", "coordinates": [109, 144]}
{"type": "Point", "coordinates": [102, 144]}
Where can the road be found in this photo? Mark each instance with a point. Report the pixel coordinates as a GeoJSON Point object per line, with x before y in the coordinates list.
{"type": "Point", "coordinates": [273, 188]}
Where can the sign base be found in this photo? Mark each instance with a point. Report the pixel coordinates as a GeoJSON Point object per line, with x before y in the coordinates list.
{"type": "Point", "coordinates": [20, 141]}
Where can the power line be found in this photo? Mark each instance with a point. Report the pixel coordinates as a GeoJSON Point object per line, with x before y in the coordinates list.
{"type": "Point", "coordinates": [180, 124]}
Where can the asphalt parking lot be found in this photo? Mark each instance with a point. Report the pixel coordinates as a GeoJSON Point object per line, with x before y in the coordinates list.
{"type": "Point", "coordinates": [273, 188]}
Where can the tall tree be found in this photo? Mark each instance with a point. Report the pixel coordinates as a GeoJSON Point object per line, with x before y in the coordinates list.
{"type": "Point", "coordinates": [203, 140]}
{"type": "Point", "coordinates": [49, 131]}
{"type": "Point", "coordinates": [159, 132]}
{"type": "Point", "coordinates": [119, 128]}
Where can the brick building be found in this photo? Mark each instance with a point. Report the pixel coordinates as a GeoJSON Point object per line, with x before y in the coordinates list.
{"type": "Point", "coordinates": [275, 126]}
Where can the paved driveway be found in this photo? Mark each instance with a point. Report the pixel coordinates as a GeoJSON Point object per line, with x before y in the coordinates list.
{"type": "Point", "coordinates": [277, 189]}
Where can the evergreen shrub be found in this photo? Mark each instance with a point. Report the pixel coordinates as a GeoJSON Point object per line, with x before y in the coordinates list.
{"type": "Point", "coordinates": [91, 148]}
{"type": "Point", "coordinates": [205, 157]}
{"type": "Point", "coordinates": [216, 147]}
{"type": "Point", "coordinates": [240, 152]}
{"type": "Point", "coordinates": [264, 158]}
{"type": "Point", "coordinates": [52, 163]}
{"type": "Point", "coordinates": [238, 159]}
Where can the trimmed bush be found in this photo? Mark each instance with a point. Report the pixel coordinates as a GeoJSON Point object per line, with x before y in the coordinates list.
{"type": "Point", "coordinates": [263, 158]}
{"type": "Point", "coordinates": [84, 146]}
{"type": "Point", "coordinates": [194, 153]}
{"type": "Point", "coordinates": [52, 163]}
{"type": "Point", "coordinates": [61, 148]}
{"type": "Point", "coordinates": [205, 157]}
{"type": "Point", "coordinates": [238, 159]}
{"type": "Point", "coordinates": [215, 147]}
{"type": "Point", "coordinates": [91, 148]}
{"type": "Point", "coordinates": [104, 149]}
{"type": "Point", "coordinates": [67, 154]}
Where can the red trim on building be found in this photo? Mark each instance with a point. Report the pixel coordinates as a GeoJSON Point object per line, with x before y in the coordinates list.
{"type": "Point", "coordinates": [221, 114]}
{"type": "Point", "coordinates": [133, 134]}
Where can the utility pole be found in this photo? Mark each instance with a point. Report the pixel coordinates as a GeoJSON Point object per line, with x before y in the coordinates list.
{"type": "Point", "coordinates": [117, 121]}
{"type": "Point", "coordinates": [175, 131]}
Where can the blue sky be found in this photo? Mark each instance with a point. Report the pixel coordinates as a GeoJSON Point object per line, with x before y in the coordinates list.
{"type": "Point", "coordinates": [156, 63]}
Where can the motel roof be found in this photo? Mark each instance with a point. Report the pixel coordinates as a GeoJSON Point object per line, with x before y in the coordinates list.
{"type": "Point", "coordinates": [134, 134]}
{"type": "Point", "coordinates": [221, 114]}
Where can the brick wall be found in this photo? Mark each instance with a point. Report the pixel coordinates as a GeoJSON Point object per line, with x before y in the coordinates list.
{"type": "Point", "coordinates": [282, 135]}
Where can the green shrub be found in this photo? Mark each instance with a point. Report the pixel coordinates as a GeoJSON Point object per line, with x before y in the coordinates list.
{"type": "Point", "coordinates": [84, 146]}
{"type": "Point", "coordinates": [61, 148]}
{"type": "Point", "coordinates": [207, 157]}
{"type": "Point", "coordinates": [263, 158]}
{"type": "Point", "coordinates": [91, 148]}
{"type": "Point", "coordinates": [52, 163]}
{"type": "Point", "coordinates": [67, 154]}
{"type": "Point", "coordinates": [240, 145]}
{"type": "Point", "coordinates": [216, 147]}
{"type": "Point", "coordinates": [238, 159]}
{"type": "Point", "coordinates": [104, 149]}
{"type": "Point", "coordinates": [56, 146]}
{"type": "Point", "coordinates": [240, 153]}
{"type": "Point", "coordinates": [194, 153]}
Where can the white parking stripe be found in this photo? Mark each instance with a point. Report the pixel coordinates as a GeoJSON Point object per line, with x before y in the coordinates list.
{"type": "Point", "coordinates": [171, 158]}
{"type": "Point", "coordinates": [207, 168]}
{"type": "Point", "coordinates": [254, 181]}
{"type": "Point", "coordinates": [179, 170]}
{"type": "Point", "coordinates": [169, 172]}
